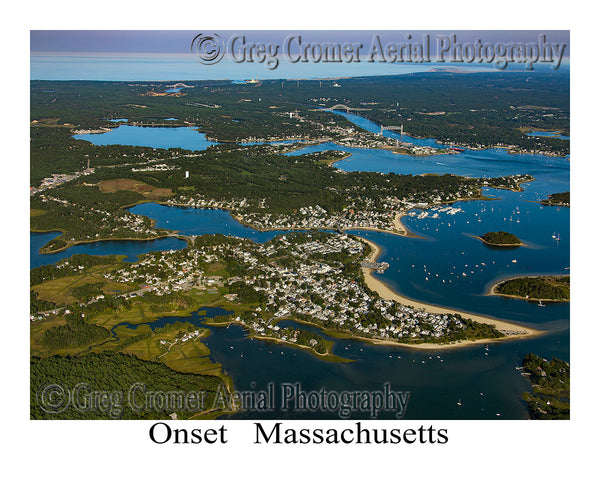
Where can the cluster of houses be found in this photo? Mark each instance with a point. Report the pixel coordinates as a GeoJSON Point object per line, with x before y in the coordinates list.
{"type": "Point", "coordinates": [57, 179]}
{"type": "Point", "coordinates": [321, 292]}
{"type": "Point", "coordinates": [307, 287]}
{"type": "Point", "coordinates": [314, 288]}
{"type": "Point", "coordinates": [105, 223]}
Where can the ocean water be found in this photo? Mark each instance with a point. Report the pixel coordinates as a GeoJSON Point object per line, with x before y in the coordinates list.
{"type": "Point", "coordinates": [184, 66]}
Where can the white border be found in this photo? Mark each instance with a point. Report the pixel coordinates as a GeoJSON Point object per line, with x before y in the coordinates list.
{"type": "Point", "coordinates": [477, 449]}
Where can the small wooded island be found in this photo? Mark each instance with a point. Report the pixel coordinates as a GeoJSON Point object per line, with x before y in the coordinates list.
{"type": "Point", "coordinates": [558, 199]}
{"type": "Point", "coordinates": [548, 288]}
{"type": "Point", "coordinates": [501, 239]}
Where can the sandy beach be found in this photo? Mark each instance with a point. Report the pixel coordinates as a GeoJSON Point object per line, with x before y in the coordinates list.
{"type": "Point", "coordinates": [399, 228]}
{"type": "Point", "coordinates": [512, 330]}
{"type": "Point", "coordinates": [399, 225]}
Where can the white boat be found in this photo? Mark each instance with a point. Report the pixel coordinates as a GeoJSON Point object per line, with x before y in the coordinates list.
{"type": "Point", "coordinates": [540, 304]}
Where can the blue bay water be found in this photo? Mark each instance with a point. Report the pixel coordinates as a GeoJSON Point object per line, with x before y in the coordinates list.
{"type": "Point", "coordinates": [485, 381]}
{"type": "Point", "coordinates": [130, 248]}
{"type": "Point", "coordinates": [199, 221]}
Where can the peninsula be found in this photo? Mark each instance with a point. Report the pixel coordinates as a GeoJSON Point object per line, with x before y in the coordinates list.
{"type": "Point", "coordinates": [558, 199]}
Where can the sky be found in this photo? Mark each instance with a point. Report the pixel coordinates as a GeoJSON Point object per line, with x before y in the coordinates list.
{"type": "Point", "coordinates": [178, 41]}
{"type": "Point", "coordinates": [137, 55]}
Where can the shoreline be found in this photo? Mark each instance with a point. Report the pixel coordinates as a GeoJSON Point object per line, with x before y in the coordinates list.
{"type": "Point", "coordinates": [82, 242]}
{"type": "Point", "coordinates": [512, 330]}
{"type": "Point", "coordinates": [332, 162]}
{"type": "Point", "coordinates": [519, 183]}
{"type": "Point", "coordinates": [400, 228]}
{"type": "Point", "coordinates": [328, 356]}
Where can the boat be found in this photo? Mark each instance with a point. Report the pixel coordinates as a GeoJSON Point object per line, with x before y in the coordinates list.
{"type": "Point", "coordinates": [540, 304]}
{"type": "Point", "coordinates": [459, 403]}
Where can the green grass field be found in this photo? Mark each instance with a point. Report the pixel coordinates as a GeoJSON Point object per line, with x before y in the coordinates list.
{"type": "Point", "coordinates": [59, 290]}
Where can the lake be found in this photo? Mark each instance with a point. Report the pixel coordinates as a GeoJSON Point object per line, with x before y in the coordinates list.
{"type": "Point", "coordinates": [548, 134]}
{"type": "Point", "coordinates": [157, 137]}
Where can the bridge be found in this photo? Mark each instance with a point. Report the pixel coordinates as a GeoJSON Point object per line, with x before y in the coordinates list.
{"type": "Point", "coordinates": [347, 108]}
{"type": "Point", "coordinates": [340, 107]}
{"type": "Point", "coordinates": [154, 124]}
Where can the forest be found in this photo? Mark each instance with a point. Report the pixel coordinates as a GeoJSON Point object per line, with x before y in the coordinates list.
{"type": "Point", "coordinates": [115, 374]}
{"type": "Point", "coordinates": [77, 332]}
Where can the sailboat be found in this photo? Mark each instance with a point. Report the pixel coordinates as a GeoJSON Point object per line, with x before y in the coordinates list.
{"type": "Point", "coordinates": [459, 403]}
{"type": "Point", "coordinates": [540, 304]}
